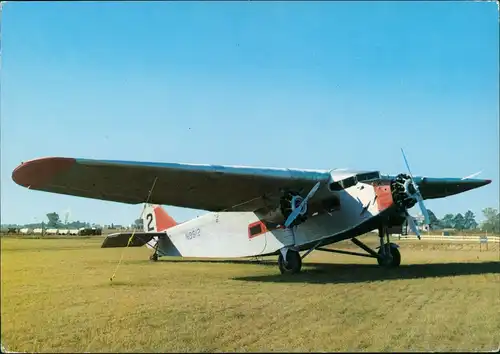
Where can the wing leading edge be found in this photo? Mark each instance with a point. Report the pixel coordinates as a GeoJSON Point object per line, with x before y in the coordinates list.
{"type": "Point", "coordinates": [207, 187]}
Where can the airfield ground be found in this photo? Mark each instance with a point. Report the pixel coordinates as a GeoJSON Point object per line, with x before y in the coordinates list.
{"type": "Point", "coordinates": [57, 296]}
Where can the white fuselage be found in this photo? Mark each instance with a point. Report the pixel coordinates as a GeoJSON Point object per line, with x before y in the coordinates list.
{"type": "Point", "coordinates": [227, 234]}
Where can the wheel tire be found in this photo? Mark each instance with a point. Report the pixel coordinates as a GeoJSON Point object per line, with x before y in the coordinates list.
{"type": "Point", "coordinates": [153, 257]}
{"type": "Point", "coordinates": [293, 262]}
{"type": "Point", "coordinates": [395, 261]}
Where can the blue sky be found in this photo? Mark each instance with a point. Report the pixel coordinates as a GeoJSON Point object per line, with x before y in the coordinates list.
{"type": "Point", "coordinates": [285, 84]}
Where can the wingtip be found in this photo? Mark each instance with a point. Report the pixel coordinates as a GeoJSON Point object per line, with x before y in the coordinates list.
{"type": "Point", "coordinates": [38, 172]}
{"type": "Point", "coordinates": [476, 183]}
{"type": "Point", "coordinates": [483, 182]}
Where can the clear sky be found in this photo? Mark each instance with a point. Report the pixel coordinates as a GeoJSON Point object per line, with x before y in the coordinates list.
{"type": "Point", "coordinates": [285, 84]}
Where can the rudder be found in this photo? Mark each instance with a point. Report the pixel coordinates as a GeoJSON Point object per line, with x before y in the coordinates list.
{"type": "Point", "coordinates": [156, 219]}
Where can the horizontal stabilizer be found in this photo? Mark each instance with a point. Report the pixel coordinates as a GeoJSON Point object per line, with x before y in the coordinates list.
{"type": "Point", "coordinates": [121, 239]}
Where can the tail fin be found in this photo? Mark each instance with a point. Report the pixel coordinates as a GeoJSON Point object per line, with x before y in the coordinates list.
{"type": "Point", "coordinates": [156, 219]}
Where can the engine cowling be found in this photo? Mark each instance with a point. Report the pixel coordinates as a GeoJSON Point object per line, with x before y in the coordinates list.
{"type": "Point", "coordinates": [403, 191]}
{"type": "Point", "coordinates": [288, 203]}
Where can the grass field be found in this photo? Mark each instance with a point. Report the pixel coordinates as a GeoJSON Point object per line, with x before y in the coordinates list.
{"type": "Point", "coordinates": [57, 297]}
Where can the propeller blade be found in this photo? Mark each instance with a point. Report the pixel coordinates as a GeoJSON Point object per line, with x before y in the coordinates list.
{"type": "Point", "coordinates": [412, 225]}
{"type": "Point", "coordinates": [312, 192]}
{"type": "Point", "coordinates": [407, 165]}
{"type": "Point", "coordinates": [420, 200]}
{"type": "Point", "coordinates": [427, 220]}
{"type": "Point", "coordinates": [293, 215]}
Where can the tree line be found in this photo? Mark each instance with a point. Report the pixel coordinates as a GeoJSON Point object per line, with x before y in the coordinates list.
{"type": "Point", "coordinates": [467, 221]}
{"type": "Point", "coordinates": [54, 222]}
{"type": "Point", "coordinates": [458, 221]}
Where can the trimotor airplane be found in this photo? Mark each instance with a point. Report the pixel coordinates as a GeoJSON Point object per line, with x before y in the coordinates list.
{"type": "Point", "coordinates": [251, 211]}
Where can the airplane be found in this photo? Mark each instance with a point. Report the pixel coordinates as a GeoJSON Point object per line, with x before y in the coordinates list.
{"type": "Point", "coordinates": [251, 211]}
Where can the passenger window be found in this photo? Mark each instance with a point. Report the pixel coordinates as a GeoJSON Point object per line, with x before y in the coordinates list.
{"type": "Point", "coordinates": [256, 229]}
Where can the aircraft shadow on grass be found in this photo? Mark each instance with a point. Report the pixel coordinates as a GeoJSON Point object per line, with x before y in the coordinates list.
{"type": "Point", "coordinates": [325, 273]}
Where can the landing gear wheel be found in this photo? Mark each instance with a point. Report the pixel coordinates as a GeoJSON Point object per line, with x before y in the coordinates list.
{"type": "Point", "coordinates": [391, 262]}
{"type": "Point", "coordinates": [293, 262]}
{"type": "Point", "coordinates": [153, 257]}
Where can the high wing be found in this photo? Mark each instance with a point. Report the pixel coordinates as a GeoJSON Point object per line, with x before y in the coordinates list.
{"type": "Point", "coordinates": [207, 187]}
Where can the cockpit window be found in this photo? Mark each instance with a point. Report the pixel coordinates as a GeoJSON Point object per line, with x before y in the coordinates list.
{"type": "Point", "coordinates": [349, 182]}
{"type": "Point", "coordinates": [343, 184]}
{"type": "Point", "coordinates": [368, 176]}
{"type": "Point", "coordinates": [336, 186]}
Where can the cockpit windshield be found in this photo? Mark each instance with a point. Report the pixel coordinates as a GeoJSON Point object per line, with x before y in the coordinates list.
{"type": "Point", "coordinates": [353, 180]}
{"type": "Point", "coordinates": [368, 176]}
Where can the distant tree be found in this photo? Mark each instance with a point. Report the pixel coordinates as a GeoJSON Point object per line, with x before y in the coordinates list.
{"type": "Point", "coordinates": [77, 224]}
{"type": "Point", "coordinates": [32, 226]}
{"type": "Point", "coordinates": [447, 221]}
{"type": "Point", "coordinates": [492, 220]}
{"type": "Point", "coordinates": [433, 220]}
{"type": "Point", "coordinates": [54, 220]}
{"type": "Point", "coordinates": [459, 222]}
{"type": "Point", "coordinates": [139, 224]}
{"type": "Point", "coordinates": [490, 213]}
{"type": "Point", "coordinates": [469, 220]}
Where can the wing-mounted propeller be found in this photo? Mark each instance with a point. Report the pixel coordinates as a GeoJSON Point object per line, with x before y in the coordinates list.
{"type": "Point", "coordinates": [301, 208]}
{"type": "Point", "coordinates": [406, 194]}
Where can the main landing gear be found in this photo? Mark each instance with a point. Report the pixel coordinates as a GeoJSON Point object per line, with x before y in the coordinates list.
{"type": "Point", "coordinates": [154, 257]}
{"type": "Point", "coordinates": [388, 252]}
{"type": "Point", "coordinates": [388, 256]}
{"type": "Point", "coordinates": [290, 262]}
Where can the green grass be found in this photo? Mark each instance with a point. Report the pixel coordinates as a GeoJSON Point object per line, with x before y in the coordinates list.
{"type": "Point", "coordinates": [57, 297]}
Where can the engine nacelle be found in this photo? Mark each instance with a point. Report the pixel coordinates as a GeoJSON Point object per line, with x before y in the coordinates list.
{"type": "Point", "coordinates": [288, 203]}
{"type": "Point", "coordinates": [403, 192]}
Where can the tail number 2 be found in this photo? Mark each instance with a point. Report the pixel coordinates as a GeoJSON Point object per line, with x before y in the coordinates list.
{"type": "Point", "coordinates": [149, 217]}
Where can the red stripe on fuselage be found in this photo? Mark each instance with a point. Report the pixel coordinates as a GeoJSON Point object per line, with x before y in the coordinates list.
{"type": "Point", "coordinates": [384, 195]}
